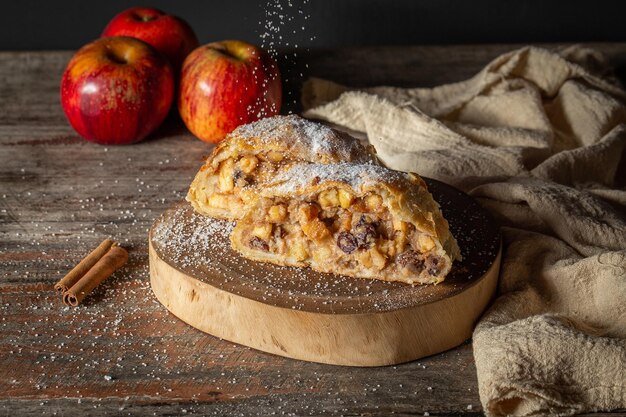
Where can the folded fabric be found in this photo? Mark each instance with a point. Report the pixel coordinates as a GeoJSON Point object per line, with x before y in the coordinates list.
{"type": "Point", "coordinates": [538, 137]}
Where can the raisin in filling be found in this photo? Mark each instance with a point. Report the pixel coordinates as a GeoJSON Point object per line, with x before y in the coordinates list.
{"type": "Point", "coordinates": [347, 242]}
{"type": "Point", "coordinates": [365, 233]}
{"type": "Point", "coordinates": [240, 178]}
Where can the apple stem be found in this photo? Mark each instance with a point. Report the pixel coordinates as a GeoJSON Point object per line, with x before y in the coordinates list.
{"type": "Point", "coordinates": [145, 17]}
{"type": "Point", "coordinates": [116, 57]}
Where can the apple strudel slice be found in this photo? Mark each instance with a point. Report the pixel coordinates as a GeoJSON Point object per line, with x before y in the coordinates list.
{"type": "Point", "coordinates": [252, 154]}
{"type": "Point", "coordinates": [357, 220]}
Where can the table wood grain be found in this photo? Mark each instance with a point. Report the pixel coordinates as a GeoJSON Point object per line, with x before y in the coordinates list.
{"type": "Point", "coordinates": [122, 352]}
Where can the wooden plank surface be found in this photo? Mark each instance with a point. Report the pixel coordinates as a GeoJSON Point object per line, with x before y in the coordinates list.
{"type": "Point", "coordinates": [122, 352]}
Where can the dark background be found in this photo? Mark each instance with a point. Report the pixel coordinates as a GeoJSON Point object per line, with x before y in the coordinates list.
{"type": "Point", "coordinates": [68, 24]}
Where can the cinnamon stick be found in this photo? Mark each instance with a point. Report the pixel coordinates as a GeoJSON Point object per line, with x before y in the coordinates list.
{"type": "Point", "coordinates": [85, 265]}
{"type": "Point", "coordinates": [114, 259]}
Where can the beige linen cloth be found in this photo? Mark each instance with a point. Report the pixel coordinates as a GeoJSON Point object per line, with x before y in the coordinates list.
{"type": "Point", "coordinates": [539, 138]}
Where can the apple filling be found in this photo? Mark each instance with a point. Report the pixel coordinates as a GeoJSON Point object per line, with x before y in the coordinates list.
{"type": "Point", "coordinates": [221, 188]}
{"type": "Point", "coordinates": [335, 231]}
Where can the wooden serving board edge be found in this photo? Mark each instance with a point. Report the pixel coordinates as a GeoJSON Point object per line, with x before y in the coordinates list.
{"type": "Point", "coordinates": [360, 339]}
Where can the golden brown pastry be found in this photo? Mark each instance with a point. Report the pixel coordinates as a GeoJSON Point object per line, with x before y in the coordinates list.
{"type": "Point", "coordinates": [351, 219]}
{"type": "Point", "coordinates": [252, 154]}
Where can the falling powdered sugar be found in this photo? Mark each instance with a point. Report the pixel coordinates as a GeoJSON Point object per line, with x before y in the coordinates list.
{"type": "Point", "coordinates": [285, 26]}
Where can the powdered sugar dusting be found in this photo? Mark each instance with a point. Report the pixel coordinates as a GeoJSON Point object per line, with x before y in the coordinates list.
{"type": "Point", "coordinates": [188, 237]}
{"type": "Point", "coordinates": [310, 140]}
{"type": "Point", "coordinates": [354, 175]}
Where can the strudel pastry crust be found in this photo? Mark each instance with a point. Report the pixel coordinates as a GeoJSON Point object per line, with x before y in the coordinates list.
{"type": "Point", "coordinates": [350, 219]}
{"type": "Point", "coordinates": [253, 154]}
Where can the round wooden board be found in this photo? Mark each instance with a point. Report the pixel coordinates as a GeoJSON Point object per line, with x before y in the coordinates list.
{"type": "Point", "coordinates": [302, 314]}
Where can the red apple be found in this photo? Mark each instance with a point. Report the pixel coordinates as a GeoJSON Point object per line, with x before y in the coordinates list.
{"type": "Point", "coordinates": [117, 90]}
{"type": "Point", "coordinates": [226, 84]}
{"type": "Point", "coordinates": [170, 35]}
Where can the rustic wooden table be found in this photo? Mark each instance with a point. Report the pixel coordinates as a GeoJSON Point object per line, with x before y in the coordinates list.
{"type": "Point", "coordinates": [122, 352]}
